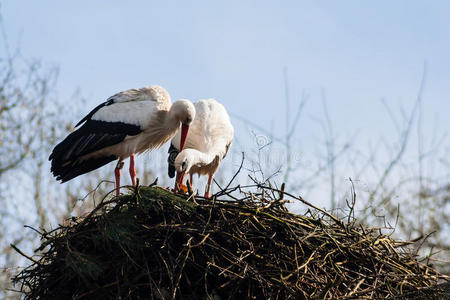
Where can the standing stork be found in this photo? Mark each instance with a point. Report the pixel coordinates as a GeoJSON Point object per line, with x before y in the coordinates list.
{"type": "Point", "coordinates": [207, 143]}
{"type": "Point", "coordinates": [128, 123]}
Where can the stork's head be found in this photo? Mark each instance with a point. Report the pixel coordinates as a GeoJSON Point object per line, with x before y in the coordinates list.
{"type": "Point", "coordinates": [184, 112]}
{"type": "Point", "coordinates": [185, 161]}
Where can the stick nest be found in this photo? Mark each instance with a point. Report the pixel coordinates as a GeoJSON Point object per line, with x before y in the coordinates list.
{"type": "Point", "coordinates": [152, 244]}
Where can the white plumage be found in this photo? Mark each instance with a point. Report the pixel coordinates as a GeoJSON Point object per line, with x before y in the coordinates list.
{"type": "Point", "coordinates": [128, 123]}
{"type": "Point", "coordinates": [207, 143]}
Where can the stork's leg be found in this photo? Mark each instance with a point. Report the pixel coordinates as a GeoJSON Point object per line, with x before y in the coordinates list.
{"type": "Point", "coordinates": [117, 172]}
{"type": "Point", "coordinates": [182, 177]}
{"type": "Point", "coordinates": [208, 186]}
{"type": "Point", "coordinates": [132, 170]}
{"type": "Point", "coordinates": [191, 181]}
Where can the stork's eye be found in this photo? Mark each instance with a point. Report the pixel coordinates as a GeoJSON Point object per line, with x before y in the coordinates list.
{"type": "Point", "coordinates": [188, 120]}
{"type": "Point", "coordinates": [183, 164]}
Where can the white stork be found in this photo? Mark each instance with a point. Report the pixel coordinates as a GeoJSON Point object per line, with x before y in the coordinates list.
{"type": "Point", "coordinates": [207, 143]}
{"type": "Point", "coordinates": [128, 123]}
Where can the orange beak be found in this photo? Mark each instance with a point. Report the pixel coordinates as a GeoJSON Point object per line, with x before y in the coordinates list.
{"type": "Point", "coordinates": [184, 133]}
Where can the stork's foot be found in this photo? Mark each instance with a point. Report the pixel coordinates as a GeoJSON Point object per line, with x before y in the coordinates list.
{"type": "Point", "coordinates": [207, 195]}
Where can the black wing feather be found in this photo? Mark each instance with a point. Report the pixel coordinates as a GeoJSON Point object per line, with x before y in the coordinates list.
{"type": "Point", "coordinates": [92, 136]}
{"type": "Point", "coordinates": [173, 153]}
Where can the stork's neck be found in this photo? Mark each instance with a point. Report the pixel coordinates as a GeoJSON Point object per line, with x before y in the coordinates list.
{"type": "Point", "coordinates": [172, 120]}
{"type": "Point", "coordinates": [200, 158]}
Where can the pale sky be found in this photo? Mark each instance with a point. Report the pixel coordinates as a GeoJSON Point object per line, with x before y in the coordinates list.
{"type": "Point", "coordinates": [358, 52]}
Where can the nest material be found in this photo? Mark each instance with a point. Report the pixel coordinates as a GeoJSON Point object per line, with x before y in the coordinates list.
{"type": "Point", "coordinates": [152, 244]}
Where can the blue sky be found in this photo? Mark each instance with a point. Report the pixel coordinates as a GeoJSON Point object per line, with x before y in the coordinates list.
{"type": "Point", "coordinates": [358, 52]}
{"type": "Point", "coordinates": [236, 51]}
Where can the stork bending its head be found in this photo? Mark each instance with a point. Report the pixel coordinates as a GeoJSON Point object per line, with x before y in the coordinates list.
{"type": "Point", "coordinates": [207, 143]}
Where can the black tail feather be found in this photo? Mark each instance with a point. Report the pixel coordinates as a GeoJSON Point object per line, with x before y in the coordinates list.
{"type": "Point", "coordinates": [65, 158]}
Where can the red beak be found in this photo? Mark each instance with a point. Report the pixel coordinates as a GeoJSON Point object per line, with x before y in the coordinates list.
{"type": "Point", "coordinates": [184, 132]}
{"type": "Point", "coordinates": [180, 178]}
{"type": "Point", "coordinates": [180, 175]}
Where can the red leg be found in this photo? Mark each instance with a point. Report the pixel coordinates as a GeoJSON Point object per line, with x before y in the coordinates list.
{"type": "Point", "coordinates": [132, 170]}
{"type": "Point", "coordinates": [191, 181]}
{"type": "Point", "coordinates": [208, 186]}
{"type": "Point", "coordinates": [117, 173]}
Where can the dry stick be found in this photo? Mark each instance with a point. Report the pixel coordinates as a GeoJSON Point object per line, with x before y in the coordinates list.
{"type": "Point", "coordinates": [324, 167]}
{"type": "Point", "coordinates": [244, 120]}
{"type": "Point", "coordinates": [339, 222]}
{"type": "Point", "coordinates": [93, 291]}
{"type": "Point", "coordinates": [182, 268]}
{"type": "Point", "coordinates": [352, 205]}
{"type": "Point", "coordinates": [34, 229]}
{"type": "Point", "coordinates": [234, 176]}
{"type": "Point", "coordinates": [404, 140]}
{"type": "Point", "coordinates": [290, 131]}
{"type": "Point", "coordinates": [329, 142]}
{"type": "Point", "coordinates": [420, 161]}
{"type": "Point", "coordinates": [23, 254]}
{"type": "Point", "coordinates": [423, 241]}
